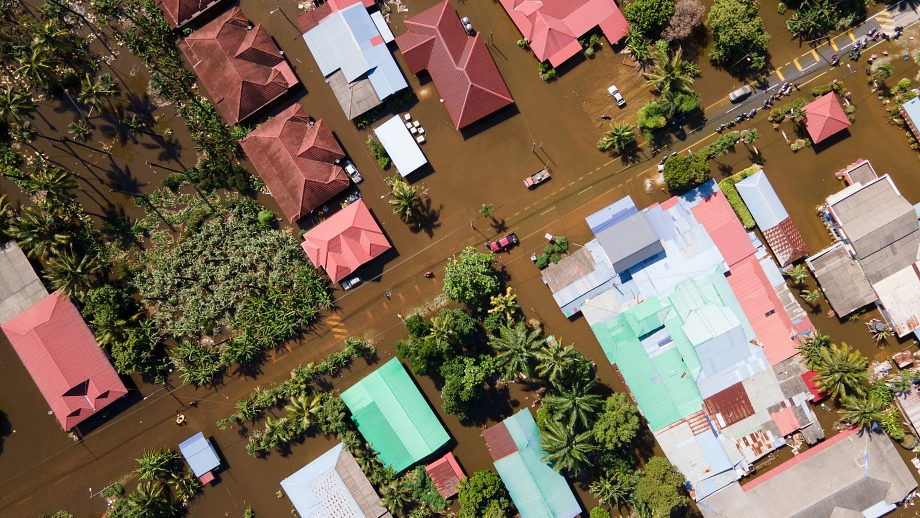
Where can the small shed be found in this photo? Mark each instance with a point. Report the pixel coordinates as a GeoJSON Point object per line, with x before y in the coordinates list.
{"type": "Point", "coordinates": [446, 474]}
{"type": "Point", "coordinates": [402, 148]}
{"type": "Point", "coordinates": [825, 117]}
{"type": "Point", "coordinates": [904, 359]}
{"type": "Point", "coordinates": [201, 457]}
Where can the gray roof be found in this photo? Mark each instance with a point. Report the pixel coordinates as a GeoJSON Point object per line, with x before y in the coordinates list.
{"type": "Point", "coordinates": [630, 242]}
{"type": "Point", "coordinates": [862, 173]}
{"type": "Point", "coordinates": [761, 200]}
{"type": "Point", "coordinates": [851, 471]}
{"type": "Point", "coordinates": [841, 279]}
{"type": "Point", "coordinates": [881, 226]}
{"type": "Point", "coordinates": [20, 287]}
{"type": "Point", "coordinates": [355, 97]}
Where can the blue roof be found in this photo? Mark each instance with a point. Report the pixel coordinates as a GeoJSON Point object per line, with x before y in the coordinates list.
{"type": "Point", "coordinates": [912, 107]}
{"type": "Point", "coordinates": [402, 148]}
{"type": "Point", "coordinates": [382, 26]}
{"type": "Point", "coordinates": [611, 215]}
{"type": "Point", "coordinates": [199, 454]}
{"type": "Point", "coordinates": [762, 200]}
{"type": "Point", "coordinates": [343, 41]}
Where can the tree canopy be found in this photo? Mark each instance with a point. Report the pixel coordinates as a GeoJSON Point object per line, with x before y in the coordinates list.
{"type": "Point", "coordinates": [618, 424]}
{"type": "Point", "coordinates": [738, 33]}
{"type": "Point", "coordinates": [683, 172]}
{"type": "Point", "coordinates": [659, 487]}
{"type": "Point", "coordinates": [483, 495]}
{"type": "Point", "coordinates": [648, 16]}
{"type": "Point", "coordinates": [470, 278]}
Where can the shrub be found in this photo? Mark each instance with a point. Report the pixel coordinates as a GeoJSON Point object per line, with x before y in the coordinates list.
{"type": "Point", "coordinates": [173, 181]}
{"type": "Point", "coordinates": [594, 40]}
{"type": "Point", "coordinates": [589, 52]}
{"type": "Point", "coordinates": [734, 199]}
{"type": "Point", "coordinates": [379, 152]}
{"type": "Point", "coordinates": [542, 261]}
{"type": "Point", "coordinates": [548, 250]}
{"type": "Point", "coordinates": [561, 245]}
{"type": "Point", "coordinates": [554, 258]}
{"type": "Point", "coordinates": [547, 72]}
{"type": "Point", "coordinates": [781, 8]}
{"type": "Point", "coordinates": [266, 217]}
{"type": "Point", "coordinates": [383, 162]}
{"type": "Point", "coordinates": [523, 44]}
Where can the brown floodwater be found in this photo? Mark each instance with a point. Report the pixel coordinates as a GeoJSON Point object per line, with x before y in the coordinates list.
{"type": "Point", "coordinates": [43, 470]}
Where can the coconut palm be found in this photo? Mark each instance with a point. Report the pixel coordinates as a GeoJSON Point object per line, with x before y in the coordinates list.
{"type": "Point", "coordinates": [811, 296]}
{"type": "Point", "coordinates": [638, 46]}
{"type": "Point", "coordinates": [517, 348]}
{"type": "Point", "coordinates": [155, 463]}
{"type": "Point", "coordinates": [564, 448]}
{"type": "Point", "coordinates": [556, 362]}
{"type": "Point", "coordinates": [884, 70]}
{"type": "Point", "coordinates": [40, 233]}
{"type": "Point", "coordinates": [53, 36]}
{"type": "Point", "coordinates": [442, 330]}
{"type": "Point", "coordinates": [841, 372]}
{"type": "Point", "coordinates": [486, 210]}
{"type": "Point", "coordinates": [185, 486]}
{"type": "Point", "coordinates": [504, 304]}
{"type": "Point", "coordinates": [15, 102]}
{"type": "Point", "coordinates": [150, 500]}
{"type": "Point", "coordinates": [72, 273]}
{"type": "Point", "coordinates": [614, 489]}
{"type": "Point", "coordinates": [366, 458]}
{"type": "Point", "coordinates": [810, 347]}
{"type": "Point", "coordinates": [862, 412]}
{"type": "Point", "coordinates": [56, 184]}
{"type": "Point", "coordinates": [394, 496]}
{"type": "Point", "coordinates": [301, 410]}
{"type": "Point", "coordinates": [575, 404]}
{"type": "Point", "coordinates": [37, 67]}
{"type": "Point", "coordinates": [92, 92]}
{"type": "Point", "coordinates": [7, 217]}
{"type": "Point", "coordinates": [669, 74]}
{"type": "Point", "coordinates": [406, 202]}
{"type": "Point", "coordinates": [617, 138]}
{"type": "Point", "coordinates": [798, 275]}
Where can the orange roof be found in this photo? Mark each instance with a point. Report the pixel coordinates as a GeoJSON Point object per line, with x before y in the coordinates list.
{"type": "Point", "coordinates": [345, 241]}
{"type": "Point", "coordinates": [825, 117]}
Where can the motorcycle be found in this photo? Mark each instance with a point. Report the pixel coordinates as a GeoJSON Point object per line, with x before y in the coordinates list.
{"type": "Point", "coordinates": [835, 60]}
{"type": "Point", "coordinates": [751, 114]}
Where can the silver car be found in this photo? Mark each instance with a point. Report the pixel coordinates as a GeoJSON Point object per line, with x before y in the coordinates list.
{"type": "Point", "coordinates": [351, 283]}
{"type": "Point", "coordinates": [740, 93]}
{"type": "Point", "coordinates": [352, 171]}
{"type": "Point", "coordinates": [615, 93]}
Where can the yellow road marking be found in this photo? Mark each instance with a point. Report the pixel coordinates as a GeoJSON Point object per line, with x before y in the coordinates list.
{"type": "Point", "coordinates": [580, 179]}
{"type": "Point", "coordinates": [882, 19]}
{"type": "Point", "coordinates": [516, 213]}
{"type": "Point", "coordinates": [883, 13]}
{"type": "Point", "coordinates": [608, 163]}
{"type": "Point", "coordinates": [588, 189]}
{"type": "Point", "coordinates": [526, 208]}
{"type": "Point", "coordinates": [598, 169]}
{"type": "Point", "coordinates": [780, 75]}
{"type": "Point", "coordinates": [850, 34]}
{"type": "Point", "coordinates": [570, 183]}
{"type": "Point", "coordinates": [834, 45]}
{"type": "Point", "coordinates": [815, 54]}
{"type": "Point", "coordinates": [797, 65]}
{"type": "Point", "coordinates": [547, 210]}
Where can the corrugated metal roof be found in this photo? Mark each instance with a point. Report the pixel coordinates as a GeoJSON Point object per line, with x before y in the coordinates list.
{"type": "Point", "coordinates": [199, 453]}
{"type": "Point", "coordinates": [536, 489]}
{"type": "Point", "coordinates": [382, 27]}
{"type": "Point", "coordinates": [729, 406]}
{"type": "Point", "coordinates": [841, 279]}
{"type": "Point", "coordinates": [630, 242]}
{"type": "Point", "coordinates": [345, 241]}
{"type": "Point", "coordinates": [611, 214]}
{"type": "Point", "coordinates": [445, 473]}
{"type": "Point", "coordinates": [761, 200]}
{"type": "Point", "coordinates": [860, 171]}
{"type": "Point", "coordinates": [720, 221]}
{"type": "Point", "coordinates": [394, 417]}
{"type": "Point", "coordinates": [900, 295]}
{"type": "Point", "coordinates": [402, 148]}
{"type": "Point", "coordinates": [20, 287]}
{"type": "Point", "coordinates": [702, 459]}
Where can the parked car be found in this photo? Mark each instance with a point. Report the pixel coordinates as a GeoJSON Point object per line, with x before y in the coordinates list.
{"type": "Point", "coordinates": [616, 96]}
{"type": "Point", "coordinates": [537, 178]}
{"type": "Point", "coordinates": [665, 159]}
{"type": "Point", "coordinates": [352, 171]}
{"type": "Point", "coordinates": [740, 93]}
{"type": "Point", "coordinates": [351, 283]}
{"type": "Point", "coordinates": [504, 243]}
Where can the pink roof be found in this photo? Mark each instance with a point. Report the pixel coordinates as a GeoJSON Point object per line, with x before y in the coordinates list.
{"type": "Point", "coordinates": [296, 156]}
{"type": "Point", "coordinates": [825, 117]}
{"type": "Point", "coordinates": [786, 242]}
{"type": "Point", "coordinates": [60, 353]}
{"type": "Point", "coordinates": [312, 18]}
{"type": "Point", "coordinates": [460, 65]}
{"type": "Point", "coordinates": [446, 474]}
{"type": "Point", "coordinates": [720, 221]}
{"type": "Point", "coordinates": [241, 69]}
{"type": "Point", "coordinates": [345, 241]}
{"type": "Point", "coordinates": [553, 26]}
{"type": "Point", "coordinates": [785, 420]}
{"type": "Point", "coordinates": [763, 310]}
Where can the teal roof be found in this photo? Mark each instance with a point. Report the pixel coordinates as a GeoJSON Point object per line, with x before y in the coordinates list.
{"type": "Point", "coordinates": [394, 417]}
{"type": "Point", "coordinates": [537, 490]}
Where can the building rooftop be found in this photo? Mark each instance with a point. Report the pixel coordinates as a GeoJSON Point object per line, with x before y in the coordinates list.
{"type": "Point", "coordinates": [825, 117]}
{"type": "Point", "coordinates": [761, 200]}
{"type": "Point", "coordinates": [297, 159]}
{"type": "Point", "coordinates": [393, 416]}
{"type": "Point", "coordinates": [630, 241]}
{"type": "Point", "coordinates": [239, 65]}
{"type": "Point", "coordinates": [333, 486]}
{"type": "Point", "coordinates": [179, 12]}
{"type": "Point", "coordinates": [400, 145]}
{"type": "Point", "coordinates": [860, 171]}
{"type": "Point", "coordinates": [446, 474]}
{"type": "Point", "coordinates": [847, 474]}
{"type": "Point", "coordinates": [60, 353]}
{"type": "Point", "coordinates": [20, 287]}
{"type": "Point", "coordinates": [199, 453]}
{"type": "Point", "coordinates": [536, 489]}
{"type": "Point", "coordinates": [841, 279]}
{"type": "Point", "coordinates": [786, 242]}
{"type": "Point", "coordinates": [900, 296]}
{"type": "Point", "coordinates": [553, 26]}
{"type": "Point", "coordinates": [345, 241]}
{"type": "Point", "coordinates": [722, 224]}
{"type": "Point", "coordinates": [352, 54]}
{"type": "Point", "coordinates": [460, 65]}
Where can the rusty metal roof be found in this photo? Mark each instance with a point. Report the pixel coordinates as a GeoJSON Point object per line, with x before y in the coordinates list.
{"type": "Point", "coordinates": [729, 406]}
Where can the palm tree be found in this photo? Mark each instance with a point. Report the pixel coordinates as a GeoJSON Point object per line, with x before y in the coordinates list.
{"type": "Point", "coordinates": [639, 48]}
{"type": "Point", "coordinates": [564, 448]}
{"type": "Point", "coordinates": [40, 233]}
{"type": "Point", "coordinates": [617, 138]}
{"type": "Point", "coordinates": [884, 70]}
{"type": "Point", "coordinates": [185, 486]}
{"type": "Point", "coordinates": [486, 210]}
{"type": "Point", "coordinates": [394, 496]}
{"type": "Point", "coordinates": [841, 373]}
{"type": "Point", "coordinates": [406, 201]}
{"type": "Point", "coordinates": [15, 102]}
{"type": "Point", "coordinates": [301, 410]}
{"type": "Point", "coordinates": [7, 218]}
{"type": "Point", "coordinates": [557, 362]}
{"type": "Point", "coordinates": [517, 348]}
{"type": "Point", "coordinates": [442, 330]}
{"type": "Point", "coordinates": [798, 275]}
{"type": "Point", "coordinates": [504, 304]}
{"type": "Point", "coordinates": [37, 67]}
{"type": "Point", "coordinates": [92, 93]}
{"type": "Point", "coordinates": [575, 404]}
{"type": "Point", "coordinates": [150, 500]}
{"type": "Point", "coordinates": [669, 73]}
{"type": "Point", "coordinates": [57, 184]}
{"type": "Point", "coordinates": [614, 489]}
{"type": "Point", "coordinates": [862, 412]}
{"type": "Point", "coordinates": [366, 458]}
{"type": "Point", "coordinates": [811, 296]}
{"type": "Point", "coordinates": [155, 463]}
{"type": "Point", "coordinates": [71, 273]}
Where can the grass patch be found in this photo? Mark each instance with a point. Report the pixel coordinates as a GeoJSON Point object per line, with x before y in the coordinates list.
{"type": "Point", "coordinates": [734, 199]}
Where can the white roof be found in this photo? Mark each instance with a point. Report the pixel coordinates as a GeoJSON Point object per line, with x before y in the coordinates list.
{"type": "Point", "coordinates": [382, 26]}
{"type": "Point", "coordinates": [900, 294]}
{"type": "Point", "coordinates": [317, 490]}
{"type": "Point", "coordinates": [402, 148]}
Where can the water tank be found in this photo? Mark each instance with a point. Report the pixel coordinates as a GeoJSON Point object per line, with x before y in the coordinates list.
{"type": "Point", "coordinates": [465, 21]}
{"type": "Point", "coordinates": [468, 27]}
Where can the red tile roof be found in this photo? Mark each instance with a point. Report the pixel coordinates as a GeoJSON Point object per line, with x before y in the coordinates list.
{"type": "Point", "coordinates": [241, 69]}
{"type": "Point", "coordinates": [312, 18]}
{"type": "Point", "coordinates": [553, 26]}
{"type": "Point", "coordinates": [786, 242]}
{"type": "Point", "coordinates": [460, 65]}
{"type": "Point", "coordinates": [179, 12]}
{"type": "Point", "coordinates": [60, 353]}
{"type": "Point", "coordinates": [446, 474]}
{"type": "Point", "coordinates": [499, 441]}
{"type": "Point", "coordinates": [720, 221]}
{"type": "Point", "coordinates": [345, 241]}
{"type": "Point", "coordinates": [296, 159]}
{"type": "Point", "coordinates": [825, 117]}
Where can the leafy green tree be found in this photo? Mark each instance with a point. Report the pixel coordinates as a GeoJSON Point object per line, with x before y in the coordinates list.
{"type": "Point", "coordinates": [617, 425]}
{"type": "Point", "coordinates": [564, 448]}
{"type": "Point", "coordinates": [574, 403]}
{"type": "Point", "coordinates": [110, 310]}
{"type": "Point", "coordinates": [799, 275]}
{"type": "Point", "coordinates": [470, 279]}
{"type": "Point", "coordinates": [599, 512]}
{"type": "Point", "coordinates": [669, 74]}
{"type": "Point", "coordinates": [678, 103]}
{"type": "Point", "coordinates": [483, 495]}
{"type": "Point", "coordinates": [659, 487]}
{"type": "Point", "coordinates": [505, 305]}
{"type": "Point", "coordinates": [15, 102]}
{"type": "Point", "coordinates": [739, 35]}
{"type": "Point", "coordinates": [649, 16]}
{"type": "Point", "coordinates": [424, 355]}
{"type": "Point", "coordinates": [72, 273]}
{"type": "Point", "coordinates": [841, 372]}
{"type": "Point", "coordinates": [137, 352]}
{"type": "Point", "coordinates": [863, 411]}
{"type": "Point", "coordinates": [652, 116]}
{"type": "Point", "coordinates": [614, 489]}
{"type": "Point", "coordinates": [556, 362]}
{"type": "Point", "coordinates": [59, 514]}
{"type": "Point", "coordinates": [464, 383]}
{"type": "Point", "coordinates": [517, 348]}
{"type": "Point", "coordinates": [423, 489]}
{"type": "Point", "coordinates": [684, 172]}
{"type": "Point", "coordinates": [617, 138]}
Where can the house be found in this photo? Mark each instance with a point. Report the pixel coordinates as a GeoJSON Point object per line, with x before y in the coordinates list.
{"type": "Point", "coordinates": [842, 280]}
{"type": "Point", "coordinates": [899, 297]}
{"type": "Point", "coordinates": [630, 241]}
{"type": "Point", "coordinates": [238, 64]}
{"type": "Point", "coordinates": [825, 117]}
{"type": "Point", "coordinates": [20, 287]}
{"type": "Point", "coordinates": [333, 485]}
{"type": "Point", "coordinates": [445, 474]}
{"type": "Point", "coordinates": [553, 27]}
{"type": "Point", "coordinates": [351, 52]}
{"type": "Point", "coordinates": [298, 159]}
{"type": "Point", "coordinates": [459, 64]}
{"type": "Point", "coordinates": [910, 112]}
{"type": "Point", "coordinates": [393, 416]}
{"type": "Point", "coordinates": [345, 241]}
{"type": "Point", "coordinates": [201, 457]}
{"type": "Point", "coordinates": [179, 12]}
{"type": "Point", "coordinates": [59, 351]}
{"type": "Point", "coordinates": [536, 489]}
{"type": "Point", "coordinates": [402, 149]}
{"type": "Point", "coordinates": [771, 217]}
{"type": "Point", "coordinates": [860, 171]}
{"type": "Point", "coordinates": [850, 475]}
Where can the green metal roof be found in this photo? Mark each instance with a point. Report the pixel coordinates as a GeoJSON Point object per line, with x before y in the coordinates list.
{"type": "Point", "coordinates": [394, 417]}
{"type": "Point", "coordinates": [536, 489]}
